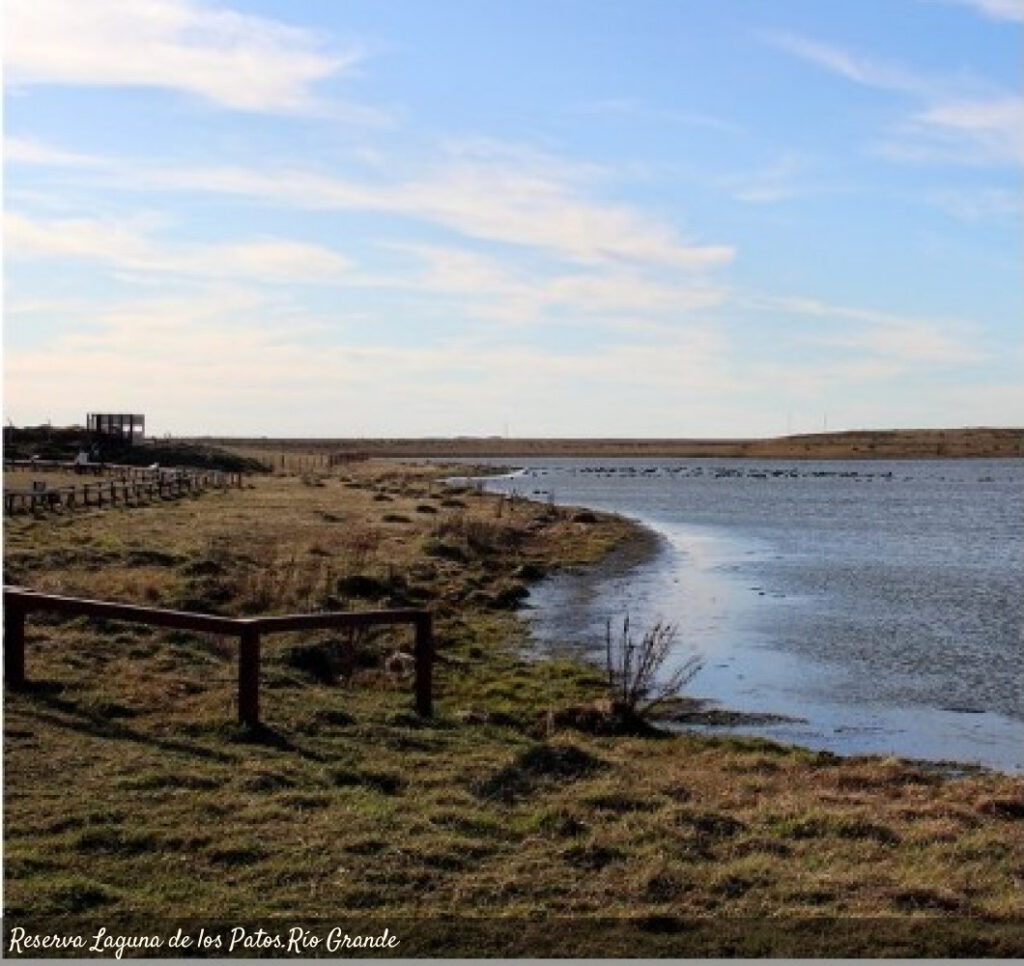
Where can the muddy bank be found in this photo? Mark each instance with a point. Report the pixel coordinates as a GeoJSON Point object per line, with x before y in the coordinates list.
{"type": "Point", "coordinates": [707, 714]}
{"type": "Point", "coordinates": [641, 546]}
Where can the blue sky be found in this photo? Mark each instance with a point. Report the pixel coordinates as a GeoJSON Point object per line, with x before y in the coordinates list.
{"type": "Point", "coordinates": [543, 218]}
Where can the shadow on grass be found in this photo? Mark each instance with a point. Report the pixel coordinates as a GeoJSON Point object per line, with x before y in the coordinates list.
{"type": "Point", "coordinates": [539, 765]}
{"type": "Point", "coordinates": [263, 735]}
{"type": "Point", "coordinates": [67, 714]}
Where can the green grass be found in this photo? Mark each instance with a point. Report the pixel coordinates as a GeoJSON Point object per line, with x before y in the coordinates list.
{"type": "Point", "coordinates": [131, 792]}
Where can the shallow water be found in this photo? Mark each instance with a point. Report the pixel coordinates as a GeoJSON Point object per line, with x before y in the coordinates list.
{"type": "Point", "coordinates": [879, 600]}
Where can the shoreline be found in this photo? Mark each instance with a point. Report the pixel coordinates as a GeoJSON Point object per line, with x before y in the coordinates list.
{"type": "Point", "coordinates": [713, 716]}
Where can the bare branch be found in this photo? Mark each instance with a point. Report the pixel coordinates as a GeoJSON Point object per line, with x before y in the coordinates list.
{"type": "Point", "coordinates": [632, 667]}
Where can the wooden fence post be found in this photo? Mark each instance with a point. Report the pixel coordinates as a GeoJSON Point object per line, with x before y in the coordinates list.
{"type": "Point", "coordinates": [423, 653]}
{"type": "Point", "coordinates": [249, 677]}
{"type": "Point", "coordinates": [14, 644]}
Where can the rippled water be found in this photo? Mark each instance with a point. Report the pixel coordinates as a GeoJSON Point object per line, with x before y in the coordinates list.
{"type": "Point", "coordinates": [881, 601]}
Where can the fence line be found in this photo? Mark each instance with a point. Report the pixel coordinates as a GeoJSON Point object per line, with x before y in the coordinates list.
{"type": "Point", "coordinates": [133, 485]}
{"type": "Point", "coordinates": [18, 603]}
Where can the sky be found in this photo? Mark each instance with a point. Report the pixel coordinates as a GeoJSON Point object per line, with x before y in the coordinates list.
{"type": "Point", "coordinates": [654, 218]}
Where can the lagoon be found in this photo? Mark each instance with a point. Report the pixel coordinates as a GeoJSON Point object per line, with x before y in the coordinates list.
{"type": "Point", "coordinates": [878, 603]}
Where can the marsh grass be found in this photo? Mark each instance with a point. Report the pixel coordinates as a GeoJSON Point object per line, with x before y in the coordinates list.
{"type": "Point", "coordinates": [130, 791]}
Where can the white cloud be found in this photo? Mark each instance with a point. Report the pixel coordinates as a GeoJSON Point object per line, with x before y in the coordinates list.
{"type": "Point", "coordinates": [501, 290]}
{"type": "Point", "coordinates": [986, 131]}
{"type": "Point", "coordinates": [976, 205]}
{"type": "Point", "coordinates": [633, 109]}
{"type": "Point", "coordinates": [127, 248]}
{"type": "Point", "coordinates": [779, 182]}
{"type": "Point", "coordinates": [855, 67]}
{"type": "Point", "coordinates": [909, 342]}
{"type": "Point", "coordinates": [32, 151]}
{"type": "Point", "coordinates": [912, 341]}
{"type": "Point", "coordinates": [629, 292]}
{"type": "Point", "coordinates": [26, 237]}
{"type": "Point", "coordinates": [958, 124]}
{"type": "Point", "coordinates": [516, 198]}
{"type": "Point", "coordinates": [235, 60]}
{"type": "Point", "coordinates": [272, 259]}
{"type": "Point", "coordinates": [537, 202]}
{"type": "Point", "coordinates": [481, 286]}
{"type": "Point", "coordinates": [1012, 10]}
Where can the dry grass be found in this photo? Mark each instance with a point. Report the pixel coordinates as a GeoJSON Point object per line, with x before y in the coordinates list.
{"type": "Point", "coordinates": [130, 792]}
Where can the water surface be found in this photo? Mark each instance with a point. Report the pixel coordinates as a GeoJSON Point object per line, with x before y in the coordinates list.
{"type": "Point", "coordinates": [879, 600]}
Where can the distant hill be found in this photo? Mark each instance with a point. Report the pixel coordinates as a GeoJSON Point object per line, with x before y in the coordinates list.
{"type": "Point", "coordinates": [854, 444]}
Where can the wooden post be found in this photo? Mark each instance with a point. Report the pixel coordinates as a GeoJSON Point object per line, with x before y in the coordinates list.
{"type": "Point", "coordinates": [423, 653]}
{"type": "Point", "coordinates": [14, 645]}
{"type": "Point", "coordinates": [249, 677]}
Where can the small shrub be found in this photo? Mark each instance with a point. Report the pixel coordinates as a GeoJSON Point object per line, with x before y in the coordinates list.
{"type": "Point", "coordinates": [363, 585]}
{"type": "Point", "coordinates": [632, 667]}
{"type": "Point", "coordinates": [444, 550]}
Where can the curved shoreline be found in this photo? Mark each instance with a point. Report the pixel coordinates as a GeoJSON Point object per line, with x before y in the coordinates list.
{"type": "Point", "coordinates": [643, 545]}
{"type": "Point", "coordinates": [831, 730]}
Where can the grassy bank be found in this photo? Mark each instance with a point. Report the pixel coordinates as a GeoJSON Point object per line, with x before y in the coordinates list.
{"type": "Point", "coordinates": [130, 792]}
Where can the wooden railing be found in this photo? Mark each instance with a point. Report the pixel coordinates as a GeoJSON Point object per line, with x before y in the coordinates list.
{"type": "Point", "coordinates": [19, 602]}
{"type": "Point", "coordinates": [132, 485]}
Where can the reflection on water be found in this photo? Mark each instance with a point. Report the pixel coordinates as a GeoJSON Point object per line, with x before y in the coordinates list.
{"type": "Point", "coordinates": [880, 601]}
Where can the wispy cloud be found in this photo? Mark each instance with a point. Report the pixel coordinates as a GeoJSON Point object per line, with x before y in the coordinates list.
{"type": "Point", "coordinates": [898, 338]}
{"type": "Point", "coordinates": [959, 123]}
{"type": "Point", "coordinates": [978, 205]}
{"type": "Point", "coordinates": [778, 182]}
{"type": "Point", "coordinates": [634, 109]}
{"type": "Point", "coordinates": [477, 285]}
{"type": "Point", "coordinates": [965, 132]}
{"type": "Point", "coordinates": [544, 205]}
{"type": "Point", "coordinates": [232, 59]}
{"type": "Point", "coordinates": [495, 288]}
{"type": "Point", "coordinates": [1012, 10]}
{"type": "Point", "coordinates": [856, 67]}
{"type": "Point", "coordinates": [127, 248]}
{"type": "Point", "coordinates": [27, 150]}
